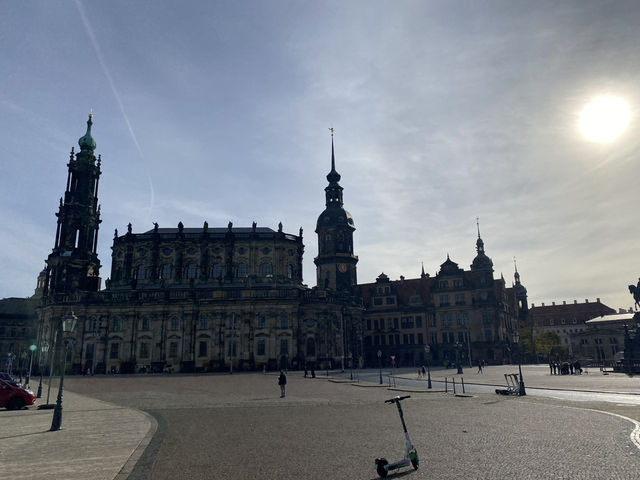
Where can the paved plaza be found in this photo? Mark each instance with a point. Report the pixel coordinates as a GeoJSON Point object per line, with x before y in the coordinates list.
{"type": "Point", "coordinates": [238, 427]}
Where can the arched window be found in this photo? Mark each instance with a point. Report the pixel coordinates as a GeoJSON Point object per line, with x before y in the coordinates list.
{"type": "Point", "coordinates": [266, 270]}
{"type": "Point", "coordinates": [311, 347]}
{"type": "Point", "coordinates": [289, 271]}
{"type": "Point", "coordinates": [241, 270]}
{"type": "Point", "coordinates": [216, 270]}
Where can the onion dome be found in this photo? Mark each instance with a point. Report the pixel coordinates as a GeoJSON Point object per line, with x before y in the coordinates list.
{"type": "Point", "coordinates": [87, 142]}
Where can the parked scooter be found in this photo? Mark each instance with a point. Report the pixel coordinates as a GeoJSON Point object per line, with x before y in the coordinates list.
{"type": "Point", "coordinates": [383, 467]}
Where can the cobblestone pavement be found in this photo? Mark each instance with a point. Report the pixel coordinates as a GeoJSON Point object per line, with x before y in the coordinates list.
{"type": "Point", "coordinates": [237, 427]}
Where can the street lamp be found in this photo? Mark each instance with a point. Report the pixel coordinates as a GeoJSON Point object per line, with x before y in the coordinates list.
{"type": "Point", "coordinates": [44, 348]}
{"type": "Point", "coordinates": [351, 364]}
{"type": "Point", "coordinates": [68, 326]}
{"type": "Point", "coordinates": [516, 341]}
{"type": "Point", "coordinates": [380, 364]}
{"type": "Point", "coordinates": [427, 350]}
{"type": "Point", "coordinates": [33, 349]}
{"type": "Point", "coordinates": [458, 350]}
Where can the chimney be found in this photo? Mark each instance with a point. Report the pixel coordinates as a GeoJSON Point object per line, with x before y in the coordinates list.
{"type": "Point", "coordinates": [586, 300]}
{"type": "Point", "coordinates": [543, 304]}
{"type": "Point", "coordinates": [597, 300]}
{"type": "Point", "coordinates": [553, 303]}
{"type": "Point", "coordinates": [575, 302]}
{"type": "Point", "coordinates": [533, 305]}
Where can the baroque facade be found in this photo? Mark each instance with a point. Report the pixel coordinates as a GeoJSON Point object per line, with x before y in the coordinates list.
{"type": "Point", "coordinates": [213, 299]}
{"type": "Point", "coordinates": [199, 299]}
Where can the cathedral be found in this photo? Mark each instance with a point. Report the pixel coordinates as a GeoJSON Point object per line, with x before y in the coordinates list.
{"type": "Point", "coordinates": [200, 299]}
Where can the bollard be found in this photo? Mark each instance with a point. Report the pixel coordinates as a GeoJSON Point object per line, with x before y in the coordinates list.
{"type": "Point", "coordinates": [462, 380]}
{"type": "Point", "coordinates": [453, 380]}
{"type": "Point", "coordinates": [446, 389]}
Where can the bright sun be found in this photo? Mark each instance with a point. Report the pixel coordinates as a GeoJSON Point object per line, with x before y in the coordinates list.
{"type": "Point", "coordinates": [604, 119]}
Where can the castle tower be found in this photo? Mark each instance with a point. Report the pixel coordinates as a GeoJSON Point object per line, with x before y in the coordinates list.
{"type": "Point", "coordinates": [335, 263]}
{"type": "Point", "coordinates": [521, 294]}
{"type": "Point", "coordinates": [73, 264]}
{"type": "Point", "coordinates": [482, 265]}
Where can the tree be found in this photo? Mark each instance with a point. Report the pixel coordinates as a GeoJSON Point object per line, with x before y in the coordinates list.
{"type": "Point", "coordinates": [550, 344]}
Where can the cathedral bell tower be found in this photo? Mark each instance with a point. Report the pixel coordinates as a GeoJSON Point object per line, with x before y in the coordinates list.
{"type": "Point", "coordinates": [73, 264]}
{"type": "Point", "coordinates": [335, 263]}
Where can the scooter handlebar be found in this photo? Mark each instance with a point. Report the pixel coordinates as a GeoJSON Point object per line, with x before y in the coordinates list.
{"type": "Point", "coordinates": [396, 399]}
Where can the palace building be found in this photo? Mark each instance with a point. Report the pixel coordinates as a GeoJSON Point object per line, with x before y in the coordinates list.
{"type": "Point", "coordinates": [197, 299]}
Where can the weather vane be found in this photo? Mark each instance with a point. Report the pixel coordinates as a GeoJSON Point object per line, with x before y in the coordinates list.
{"type": "Point", "coordinates": [331, 130]}
{"type": "Point", "coordinates": [91, 113]}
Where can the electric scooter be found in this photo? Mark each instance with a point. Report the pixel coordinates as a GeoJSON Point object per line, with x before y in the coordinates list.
{"type": "Point", "coordinates": [383, 467]}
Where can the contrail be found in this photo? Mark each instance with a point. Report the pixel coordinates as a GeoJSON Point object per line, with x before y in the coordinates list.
{"type": "Point", "coordinates": [105, 70]}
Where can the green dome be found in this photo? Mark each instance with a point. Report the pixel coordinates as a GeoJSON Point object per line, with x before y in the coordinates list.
{"type": "Point", "coordinates": [87, 142]}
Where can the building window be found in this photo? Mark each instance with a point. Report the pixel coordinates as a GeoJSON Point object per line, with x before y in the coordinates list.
{"type": "Point", "coordinates": [202, 351]}
{"type": "Point", "coordinates": [457, 283]}
{"type": "Point", "coordinates": [144, 350]}
{"type": "Point", "coordinates": [173, 349]}
{"type": "Point", "coordinates": [415, 299]}
{"type": "Point", "coordinates": [390, 339]}
{"type": "Point", "coordinates": [311, 347]}
{"type": "Point", "coordinates": [406, 322]}
{"type": "Point", "coordinates": [191, 271]}
{"type": "Point", "coordinates": [117, 324]}
{"type": "Point", "coordinates": [461, 337]}
{"type": "Point", "coordinates": [114, 351]}
{"type": "Point", "coordinates": [418, 322]}
{"type": "Point", "coordinates": [289, 271]}
{"type": "Point", "coordinates": [261, 346]}
{"type": "Point", "coordinates": [390, 300]}
{"type": "Point", "coordinates": [443, 284]}
{"type": "Point", "coordinates": [140, 272]}
{"type": "Point", "coordinates": [166, 271]}
{"type": "Point", "coordinates": [261, 321]}
{"type": "Point", "coordinates": [175, 323]}
{"type": "Point", "coordinates": [377, 301]}
{"type": "Point", "coordinates": [420, 339]}
{"type": "Point", "coordinates": [488, 335]}
{"type": "Point", "coordinates": [444, 337]}
{"type": "Point", "coordinates": [434, 338]}
{"type": "Point", "coordinates": [241, 270]}
{"type": "Point", "coordinates": [204, 322]}
{"type": "Point", "coordinates": [284, 346]}
{"type": "Point", "coordinates": [216, 270]}
{"type": "Point", "coordinates": [233, 322]}
{"type": "Point", "coordinates": [266, 270]}
{"type": "Point", "coordinates": [444, 300]}
{"type": "Point", "coordinates": [144, 324]}
{"type": "Point", "coordinates": [231, 350]}
{"type": "Point", "coordinates": [460, 300]}
{"type": "Point", "coordinates": [284, 322]}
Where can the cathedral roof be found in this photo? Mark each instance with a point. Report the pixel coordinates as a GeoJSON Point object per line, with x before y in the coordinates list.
{"type": "Point", "coordinates": [87, 142]}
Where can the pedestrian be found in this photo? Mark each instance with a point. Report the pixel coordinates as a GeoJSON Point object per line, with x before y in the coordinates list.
{"type": "Point", "coordinates": [305, 372]}
{"type": "Point", "coordinates": [553, 368]}
{"type": "Point", "coordinates": [313, 373]}
{"type": "Point", "coordinates": [479, 367]}
{"type": "Point", "coordinates": [419, 373]}
{"type": "Point", "coordinates": [282, 381]}
{"type": "Point", "coordinates": [424, 371]}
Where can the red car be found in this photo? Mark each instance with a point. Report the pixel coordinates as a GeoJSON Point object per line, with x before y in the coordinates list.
{"type": "Point", "coordinates": [15, 398]}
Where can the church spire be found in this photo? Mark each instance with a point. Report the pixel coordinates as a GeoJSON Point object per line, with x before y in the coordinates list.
{"type": "Point", "coordinates": [479, 242]}
{"type": "Point", "coordinates": [516, 275]}
{"type": "Point", "coordinates": [333, 191]}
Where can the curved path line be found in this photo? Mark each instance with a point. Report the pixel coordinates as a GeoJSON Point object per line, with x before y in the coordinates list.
{"type": "Point", "coordinates": [634, 436]}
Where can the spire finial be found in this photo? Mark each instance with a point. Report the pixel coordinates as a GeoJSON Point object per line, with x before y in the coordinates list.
{"type": "Point", "coordinates": [478, 224]}
{"type": "Point", "coordinates": [333, 175]}
{"type": "Point", "coordinates": [422, 274]}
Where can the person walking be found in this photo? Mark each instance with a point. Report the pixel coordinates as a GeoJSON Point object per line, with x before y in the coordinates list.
{"type": "Point", "coordinates": [479, 367]}
{"type": "Point", "coordinates": [282, 381]}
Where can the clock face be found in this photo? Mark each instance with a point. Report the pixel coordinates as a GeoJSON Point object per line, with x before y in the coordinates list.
{"type": "Point", "coordinates": [342, 267]}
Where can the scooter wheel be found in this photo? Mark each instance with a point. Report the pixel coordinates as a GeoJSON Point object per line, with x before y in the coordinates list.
{"type": "Point", "coordinates": [380, 464]}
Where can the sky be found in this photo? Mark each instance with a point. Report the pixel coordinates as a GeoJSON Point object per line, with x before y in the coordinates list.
{"type": "Point", "coordinates": [444, 112]}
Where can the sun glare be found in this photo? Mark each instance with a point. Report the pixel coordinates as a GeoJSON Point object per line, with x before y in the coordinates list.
{"type": "Point", "coordinates": [604, 119]}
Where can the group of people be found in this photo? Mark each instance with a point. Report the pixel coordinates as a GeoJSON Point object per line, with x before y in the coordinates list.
{"type": "Point", "coordinates": [565, 368]}
{"type": "Point", "coordinates": [422, 372]}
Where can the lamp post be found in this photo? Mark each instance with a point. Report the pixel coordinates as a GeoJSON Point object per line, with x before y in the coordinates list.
{"type": "Point", "coordinates": [351, 364]}
{"type": "Point", "coordinates": [44, 348]}
{"type": "Point", "coordinates": [68, 326]}
{"type": "Point", "coordinates": [427, 350]}
{"type": "Point", "coordinates": [458, 350]}
{"type": "Point", "coordinates": [33, 349]}
{"type": "Point", "coordinates": [516, 341]}
{"type": "Point", "coordinates": [380, 364]}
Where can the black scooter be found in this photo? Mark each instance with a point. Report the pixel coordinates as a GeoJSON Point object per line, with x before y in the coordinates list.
{"type": "Point", "coordinates": [383, 467]}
